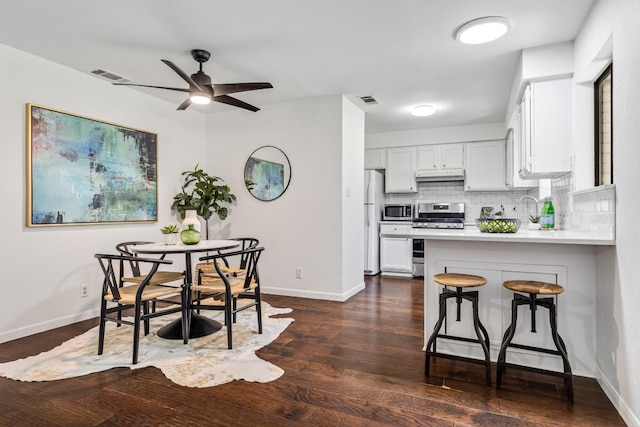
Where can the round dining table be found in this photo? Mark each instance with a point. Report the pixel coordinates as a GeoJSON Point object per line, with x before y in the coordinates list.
{"type": "Point", "coordinates": [200, 325]}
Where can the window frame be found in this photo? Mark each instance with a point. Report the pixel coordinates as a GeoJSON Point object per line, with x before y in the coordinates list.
{"type": "Point", "coordinates": [606, 73]}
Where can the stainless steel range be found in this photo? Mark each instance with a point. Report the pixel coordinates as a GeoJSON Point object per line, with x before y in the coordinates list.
{"type": "Point", "coordinates": [433, 215]}
{"type": "Point", "coordinates": [439, 215]}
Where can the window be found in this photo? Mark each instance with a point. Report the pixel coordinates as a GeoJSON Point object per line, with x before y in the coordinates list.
{"type": "Point", "coordinates": [603, 128]}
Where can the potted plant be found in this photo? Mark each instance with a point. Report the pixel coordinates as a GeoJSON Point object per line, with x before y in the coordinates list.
{"type": "Point", "coordinates": [534, 222]}
{"type": "Point", "coordinates": [205, 194]}
{"type": "Point", "coordinates": [170, 233]}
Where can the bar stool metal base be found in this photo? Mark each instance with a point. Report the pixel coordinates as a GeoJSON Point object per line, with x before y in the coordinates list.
{"type": "Point", "coordinates": [561, 350]}
{"type": "Point", "coordinates": [481, 332]}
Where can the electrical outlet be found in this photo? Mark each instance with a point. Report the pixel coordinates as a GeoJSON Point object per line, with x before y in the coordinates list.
{"type": "Point", "coordinates": [84, 291]}
{"type": "Point", "coordinates": [298, 272]}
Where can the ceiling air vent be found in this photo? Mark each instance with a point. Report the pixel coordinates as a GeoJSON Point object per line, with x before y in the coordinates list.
{"type": "Point", "coordinates": [108, 75]}
{"type": "Point", "coordinates": [368, 99]}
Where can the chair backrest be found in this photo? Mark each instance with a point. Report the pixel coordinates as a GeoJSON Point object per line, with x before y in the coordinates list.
{"type": "Point", "coordinates": [250, 257]}
{"type": "Point", "coordinates": [124, 248]}
{"type": "Point", "coordinates": [245, 243]}
{"type": "Point", "coordinates": [111, 266]}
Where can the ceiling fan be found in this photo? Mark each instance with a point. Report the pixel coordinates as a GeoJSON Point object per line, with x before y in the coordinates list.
{"type": "Point", "coordinates": [202, 91]}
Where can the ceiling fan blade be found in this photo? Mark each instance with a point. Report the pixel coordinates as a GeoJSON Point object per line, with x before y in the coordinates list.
{"type": "Point", "coordinates": [182, 74]}
{"type": "Point", "coordinates": [185, 104]}
{"type": "Point", "coordinates": [225, 99]}
{"type": "Point", "coordinates": [156, 87]}
{"type": "Point", "coordinates": [227, 88]}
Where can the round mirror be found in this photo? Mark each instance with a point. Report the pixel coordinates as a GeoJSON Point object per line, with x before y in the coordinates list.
{"type": "Point", "coordinates": [269, 172]}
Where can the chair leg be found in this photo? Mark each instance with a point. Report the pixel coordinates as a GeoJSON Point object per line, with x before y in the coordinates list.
{"type": "Point", "coordinates": [483, 337]}
{"type": "Point", "coordinates": [227, 317]}
{"type": "Point", "coordinates": [562, 349]}
{"type": "Point", "coordinates": [103, 322]}
{"type": "Point", "coordinates": [145, 308]}
{"type": "Point", "coordinates": [258, 308]}
{"type": "Point", "coordinates": [434, 334]}
{"type": "Point", "coordinates": [136, 332]}
{"type": "Point", "coordinates": [511, 330]}
{"type": "Point", "coordinates": [235, 307]}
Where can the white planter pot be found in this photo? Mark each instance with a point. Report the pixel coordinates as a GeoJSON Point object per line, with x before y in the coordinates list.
{"type": "Point", "coordinates": [534, 226]}
{"type": "Point", "coordinates": [171, 239]}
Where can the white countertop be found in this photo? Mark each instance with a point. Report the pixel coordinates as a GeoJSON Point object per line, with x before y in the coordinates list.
{"type": "Point", "coordinates": [566, 237]}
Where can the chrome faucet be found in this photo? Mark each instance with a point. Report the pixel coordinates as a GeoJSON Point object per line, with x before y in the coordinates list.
{"type": "Point", "coordinates": [534, 199]}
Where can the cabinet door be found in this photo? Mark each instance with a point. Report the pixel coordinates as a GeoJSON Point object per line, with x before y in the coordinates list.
{"type": "Point", "coordinates": [452, 156]}
{"type": "Point", "coordinates": [396, 254]}
{"type": "Point", "coordinates": [375, 158]}
{"type": "Point", "coordinates": [429, 157]}
{"type": "Point", "coordinates": [512, 177]}
{"type": "Point", "coordinates": [485, 166]}
{"type": "Point", "coordinates": [524, 141]}
{"type": "Point", "coordinates": [400, 175]}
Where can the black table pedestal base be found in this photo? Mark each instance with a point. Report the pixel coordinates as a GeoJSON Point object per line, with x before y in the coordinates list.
{"type": "Point", "coordinates": [200, 326]}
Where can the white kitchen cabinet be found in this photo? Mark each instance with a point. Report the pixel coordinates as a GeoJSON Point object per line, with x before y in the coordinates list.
{"type": "Point", "coordinates": [400, 174]}
{"type": "Point", "coordinates": [485, 166]}
{"type": "Point", "coordinates": [375, 158]}
{"type": "Point", "coordinates": [396, 253]}
{"type": "Point", "coordinates": [442, 156]}
{"type": "Point", "coordinates": [545, 129]}
{"type": "Point", "coordinates": [512, 164]}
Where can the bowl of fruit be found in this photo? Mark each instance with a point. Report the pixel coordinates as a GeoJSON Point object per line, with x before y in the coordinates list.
{"type": "Point", "coordinates": [498, 225]}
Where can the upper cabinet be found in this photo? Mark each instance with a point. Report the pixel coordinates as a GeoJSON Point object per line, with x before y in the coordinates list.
{"type": "Point", "coordinates": [375, 158]}
{"type": "Point", "coordinates": [438, 157]}
{"type": "Point", "coordinates": [512, 161]}
{"type": "Point", "coordinates": [544, 137]}
{"type": "Point", "coordinates": [400, 173]}
{"type": "Point", "coordinates": [485, 166]}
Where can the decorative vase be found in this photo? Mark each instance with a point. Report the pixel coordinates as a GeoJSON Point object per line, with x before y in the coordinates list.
{"type": "Point", "coordinates": [190, 236]}
{"type": "Point", "coordinates": [170, 238]}
{"type": "Point", "coordinates": [190, 217]}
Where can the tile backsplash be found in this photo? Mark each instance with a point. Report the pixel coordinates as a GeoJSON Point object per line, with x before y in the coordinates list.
{"type": "Point", "coordinates": [453, 192]}
{"type": "Point", "coordinates": [591, 211]}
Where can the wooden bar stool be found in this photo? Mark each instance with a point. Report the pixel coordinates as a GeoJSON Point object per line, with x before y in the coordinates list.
{"type": "Point", "coordinates": [459, 282]}
{"type": "Point", "coordinates": [533, 301]}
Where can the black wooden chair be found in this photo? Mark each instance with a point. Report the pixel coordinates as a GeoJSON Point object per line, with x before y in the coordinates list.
{"type": "Point", "coordinates": [160, 277]}
{"type": "Point", "coordinates": [226, 290]}
{"type": "Point", "coordinates": [119, 295]}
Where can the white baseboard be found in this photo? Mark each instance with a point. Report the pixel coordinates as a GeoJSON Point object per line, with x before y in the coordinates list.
{"type": "Point", "coordinates": [48, 325]}
{"type": "Point", "coordinates": [632, 420]}
{"type": "Point", "coordinates": [313, 294]}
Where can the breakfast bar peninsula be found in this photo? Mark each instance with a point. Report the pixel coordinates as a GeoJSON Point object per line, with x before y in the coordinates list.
{"type": "Point", "coordinates": [581, 262]}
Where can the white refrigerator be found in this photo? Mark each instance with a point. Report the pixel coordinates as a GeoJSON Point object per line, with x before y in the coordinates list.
{"type": "Point", "coordinates": [373, 205]}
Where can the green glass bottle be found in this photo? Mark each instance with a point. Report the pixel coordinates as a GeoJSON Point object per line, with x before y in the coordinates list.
{"type": "Point", "coordinates": [547, 217]}
{"type": "Point", "coordinates": [190, 236]}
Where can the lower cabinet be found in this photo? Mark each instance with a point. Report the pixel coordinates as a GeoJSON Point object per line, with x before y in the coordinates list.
{"type": "Point", "coordinates": [396, 253]}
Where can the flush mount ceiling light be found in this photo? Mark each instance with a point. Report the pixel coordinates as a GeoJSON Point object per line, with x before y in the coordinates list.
{"type": "Point", "coordinates": [423, 110]}
{"type": "Point", "coordinates": [483, 30]}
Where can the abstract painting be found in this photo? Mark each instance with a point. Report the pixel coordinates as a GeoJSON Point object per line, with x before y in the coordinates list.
{"type": "Point", "coordinates": [86, 171]}
{"type": "Point", "coordinates": [267, 178]}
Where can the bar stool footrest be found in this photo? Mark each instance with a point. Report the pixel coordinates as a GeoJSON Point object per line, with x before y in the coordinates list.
{"type": "Point", "coordinates": [456, 338]}
{"type": "Point", "coordinates": [538, 349]}
{"type": "Point", "coordinates": [459, 358]}
{"type": "Point", "coordinates": [536, 370]}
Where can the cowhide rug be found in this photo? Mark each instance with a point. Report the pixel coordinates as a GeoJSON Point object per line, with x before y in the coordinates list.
{"type": "Point", "coordinates": [203, 362]}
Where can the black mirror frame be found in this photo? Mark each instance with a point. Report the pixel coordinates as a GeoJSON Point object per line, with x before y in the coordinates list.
{"type": "Point", "coordinates": [287, 165]}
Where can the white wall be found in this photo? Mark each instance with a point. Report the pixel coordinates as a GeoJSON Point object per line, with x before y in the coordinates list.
{"type": "Point", "coordinates": [483, 132]}
{"type": "Point", "coordinates": [352, 197]}
{"type": "Point", "coordinates": [303, 227]}
{"type": "Point", "coordinates": [45, 268]}
{"type": "Point", "coordinates": [618, 317]}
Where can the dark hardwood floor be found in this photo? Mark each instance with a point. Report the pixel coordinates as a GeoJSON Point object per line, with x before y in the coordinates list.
{"type": "Point", "coordinates": [358, 363]}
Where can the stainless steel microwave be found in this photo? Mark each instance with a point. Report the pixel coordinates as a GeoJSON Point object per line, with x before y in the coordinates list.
{"type": "Point", "coordinates": [397, 213]}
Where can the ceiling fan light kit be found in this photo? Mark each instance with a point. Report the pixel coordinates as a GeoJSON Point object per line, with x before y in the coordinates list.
{"type": "Point", "coordinates": [202, 91]}
{"type": "Point", "coordinates": [482, 30]}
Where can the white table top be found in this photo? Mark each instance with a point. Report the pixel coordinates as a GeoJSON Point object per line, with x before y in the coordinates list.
{"type": "Point", "coordinates": [567, 237]}
{"type": "Point", "coordinates": [202, 246]}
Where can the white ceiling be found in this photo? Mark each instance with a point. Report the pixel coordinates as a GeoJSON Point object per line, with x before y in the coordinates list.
{"type": "Point", "coordinates": [400, 51]}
